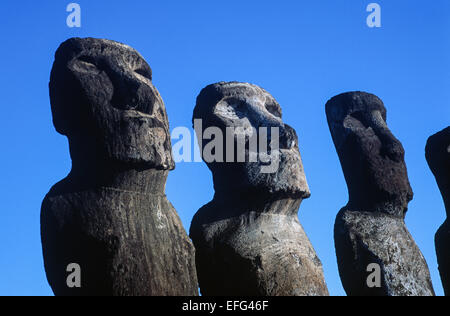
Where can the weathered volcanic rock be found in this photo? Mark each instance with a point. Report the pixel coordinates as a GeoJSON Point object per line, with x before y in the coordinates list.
{"type": "Point", "coordinates": [438, 157]}
{"type": "Point", "coordinates": [371, 228]}
{"type": "Point", "coordinates": [248, 239]}
{"type": "Point", "coordinates": [110, 214]}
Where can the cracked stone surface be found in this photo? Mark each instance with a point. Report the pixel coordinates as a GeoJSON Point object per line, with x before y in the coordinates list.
{"type": "Point", "coordinates": [248, 239]}
{"type": "Point", "coordinates": [371, 227]}
{"type": "Point", "coordinates": [438, 157]}
{"type": "Point", "coordinates": [110, 215]}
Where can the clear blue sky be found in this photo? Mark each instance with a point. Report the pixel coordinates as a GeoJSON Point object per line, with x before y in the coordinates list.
{"type": "Point", "coordinates": [302, 52]}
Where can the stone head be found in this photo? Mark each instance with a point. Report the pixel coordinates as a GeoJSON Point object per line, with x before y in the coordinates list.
{"type": "Point", "coordinates": [371, 157]}
{"type": "Point", "coordinates": [269, 162]}
{"type": "Point", "coordinates": [103, 100]}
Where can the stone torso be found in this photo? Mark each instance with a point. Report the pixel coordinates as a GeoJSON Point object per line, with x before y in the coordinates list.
{"type": "Point", "coordinates": [364, 238]}
{"type": "Point", "coordinates": [258, 254]}
{"type": "Point", "coordinates": [124, 242]}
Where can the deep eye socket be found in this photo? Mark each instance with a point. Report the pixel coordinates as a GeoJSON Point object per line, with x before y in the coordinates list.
{"type": "Point", "coordinates": [88, 60]}
{"type": "Point", "coordinates": [86, 64]}
{"type": "Point", "coordinates": [236, 104]}
{"type": "Point", "coordinates": [231, 108]}
{"type": "Point", "coordinates": [361, 117]}
{"type": "Point", "coordinates": [143, 72]}
{"type": "Point", "coordinates": [273, 109]}
{"type": "Point", "coordinates": [239, 105]}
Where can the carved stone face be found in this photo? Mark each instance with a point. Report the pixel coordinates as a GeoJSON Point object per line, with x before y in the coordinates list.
{"type": "Point", "coordinates": [372, 158]}
{"type": "Point", "coordinates": [102, 96]}
{"type": "Point", "coordinates": [246, 108]}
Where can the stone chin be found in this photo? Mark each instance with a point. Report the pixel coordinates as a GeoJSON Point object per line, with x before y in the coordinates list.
{"type": "Point", "coordinates": [137, 139]}
{"type": "Point", "coordinates": [288, 179]}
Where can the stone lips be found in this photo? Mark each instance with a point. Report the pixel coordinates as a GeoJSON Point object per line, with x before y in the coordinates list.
{"type": "Point", "coordinates": [248, 238]}
{"type": "Point", "coordinates": [110, 214]}
{"type": "Point", "coordinates": [438, 157]}
{"type": "Point", "coordinates": [371, 228]}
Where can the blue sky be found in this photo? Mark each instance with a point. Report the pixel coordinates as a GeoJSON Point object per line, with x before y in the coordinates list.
{"type": "Point", "coordinates": [302, 52]}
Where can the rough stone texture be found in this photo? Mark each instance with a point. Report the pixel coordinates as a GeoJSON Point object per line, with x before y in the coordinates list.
{"type": "Point", "coordinates": [110, 214]}
{"type": "Point", "coordinates": [438, 157]}
{"type": "Point", "coordinates": [248, 239]}
{"type": "Point", "coordinates": [371, 228]}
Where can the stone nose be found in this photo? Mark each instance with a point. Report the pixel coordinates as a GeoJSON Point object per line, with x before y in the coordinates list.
{"type": "Point", "coordinates": [288, 137]}
{"type": "Point", "coordinates": [391, 146]}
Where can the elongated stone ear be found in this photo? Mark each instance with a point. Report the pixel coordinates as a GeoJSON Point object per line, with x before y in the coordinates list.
{"type": "Point", "coordinates": [370, 230]}
{"type": "Point", "coordinates": [248, 238]}
{"type": "Point", "coordinates": [438, 157]}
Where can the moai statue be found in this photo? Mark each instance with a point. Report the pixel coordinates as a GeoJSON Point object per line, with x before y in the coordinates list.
{"type": "Point", "coordinates": [438, 157]}
{"type": "Point", "coordinates": [110, 216]}
{"type": "Point", "coordinates": [376, 254]}
{"type": "Point", "coordinates": [248, 239]}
